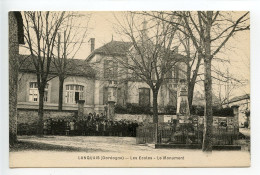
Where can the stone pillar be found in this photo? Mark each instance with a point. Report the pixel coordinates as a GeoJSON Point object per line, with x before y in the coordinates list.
{"type": "Point", "coordinates": [182, 101]}
{"type": "Point", "coordinates": [111, 110]}
{"type": "Point", "coordinates": [236, 118]}
{"type": "Point", "coordinates": [81, 109]}
{"type": "Point", "coordinates": [112, 98]}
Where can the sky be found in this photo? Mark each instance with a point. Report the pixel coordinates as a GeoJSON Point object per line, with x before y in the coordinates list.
{"type": "Point", "coordinates": [101, 26]}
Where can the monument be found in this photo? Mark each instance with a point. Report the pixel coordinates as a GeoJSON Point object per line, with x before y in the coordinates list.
{"type": "Point", "coordinates": [112, 96]}
{"type": "Point", "coordinates": [182, 131]}
{"type": "Point", "coordinates": [183, 110]}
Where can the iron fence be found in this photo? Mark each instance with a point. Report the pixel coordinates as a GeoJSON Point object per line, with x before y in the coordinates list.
{"type": "Point", "coordinates": [171, 134]}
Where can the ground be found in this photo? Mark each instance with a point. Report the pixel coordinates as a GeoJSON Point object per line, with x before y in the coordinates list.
{"type": "Point", "coordinates": [90, 151]}
{"type": "Point", "coordinates": [245, 131]}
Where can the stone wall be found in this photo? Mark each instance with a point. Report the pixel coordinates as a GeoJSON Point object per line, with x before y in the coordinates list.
{"type": "Point", "coordinates": [31, 116]}
{"type": "Point", "coordinates": [144, 118]}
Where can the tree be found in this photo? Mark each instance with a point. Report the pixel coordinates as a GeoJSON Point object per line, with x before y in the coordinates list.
{"type": "Point", "coordinates": [185, 47]}
{"type": "Point", "coordinates": [214, 29]}
{"type": "Point", "coordinates": [41, 30]}
{"type": "Point", "coordinates": [74, 35]}
{"type": "Point", "coordinates": [152, 55]}
{"type": "Point", "coordinates": [193, 65]}
{"type": "Point", "coordinates": [209, 32]}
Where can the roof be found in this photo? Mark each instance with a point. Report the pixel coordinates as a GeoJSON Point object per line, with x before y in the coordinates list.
{"type": "Point", "coordinates": [239, 98]}
{"type": "Point", "coordinates": [120, 48]}
{"type": "Point", "coordinates": [112, 48]}
{"type": "Point", "coordinates": [76, 67]}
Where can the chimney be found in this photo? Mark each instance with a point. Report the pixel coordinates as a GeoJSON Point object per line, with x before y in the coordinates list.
{"type": "Point", "coordinates": [92, 44]}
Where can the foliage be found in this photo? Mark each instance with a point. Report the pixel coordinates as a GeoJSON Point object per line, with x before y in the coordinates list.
{"type": "Point", "coordinates": [170, 110]}
{"type": "Point", "coordinates": [222, 112]}
{"type": "Point", "coordinates": [132, 108]}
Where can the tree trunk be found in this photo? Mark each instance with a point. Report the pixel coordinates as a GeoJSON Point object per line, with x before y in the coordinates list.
{"type": "Point", "coordinates": [190, 93]}
{"type": "Point", "coordinates": [192, 81]}
{"type": "Point", "coordinates": [155, 106]}
{"type": "Point", "coordinates": [61, 82]}
{"type": "Point", "coordinates": [155, 114]}
{"type": "Point", "coordinates": [40, 112]}
{"type": "Point", "coordinates": [208, 118]}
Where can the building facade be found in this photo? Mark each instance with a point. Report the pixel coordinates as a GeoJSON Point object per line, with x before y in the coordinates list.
{"type": "Point", "coordinates": [98, 80]}
{"type": "Point", "coordinates": [243, 106]}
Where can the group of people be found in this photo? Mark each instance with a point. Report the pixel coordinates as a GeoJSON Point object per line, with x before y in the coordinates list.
{"type": "Point", "coordinates": [90, 125]}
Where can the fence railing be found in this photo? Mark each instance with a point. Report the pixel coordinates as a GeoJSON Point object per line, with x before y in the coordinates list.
{"type": "Point", "coordinates": [146, 134]}
{"type": "Point", "coordinates": [170, 134]}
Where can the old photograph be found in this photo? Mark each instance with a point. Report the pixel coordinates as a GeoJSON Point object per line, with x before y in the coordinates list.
{"type": "Point", "coordinates": [129, 89]}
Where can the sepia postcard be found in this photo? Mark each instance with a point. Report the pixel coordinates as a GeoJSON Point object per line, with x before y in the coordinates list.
{"type": "Point", "coordinates": [129, 89]}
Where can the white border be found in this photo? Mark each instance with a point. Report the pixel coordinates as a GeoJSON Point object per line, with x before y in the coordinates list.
{"type": "Point", "coordinates": [92, 5]}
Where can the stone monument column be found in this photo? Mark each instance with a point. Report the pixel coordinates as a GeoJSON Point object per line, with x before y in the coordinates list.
{"type": "Point", "coordinates": [81, 109]}
{"type": "Point", "coordinates": [182, 100]}
{"type": "Point", "coordinates": [183, 110]}
{"type": "Point", "coordinates": [112, 97]}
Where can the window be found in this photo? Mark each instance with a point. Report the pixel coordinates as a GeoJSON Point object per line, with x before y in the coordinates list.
{"type": "Point", "coordinates": [73, 93]}
{"type": "Point", "coordinates": [144, 96]}
{"type": "Point", "coordinates": [34, 93]}
{"type": "Point", "coordinates": [110, 69]}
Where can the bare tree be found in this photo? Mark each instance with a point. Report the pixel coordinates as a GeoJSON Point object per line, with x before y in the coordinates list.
{"type": "Point", "coordinates": [41, 30]}
{"type": "Point", "coordinates": [74, 35]}
{"type": "Point", "coordinates": [185, 47]}
{"type": "Point", "coordinates": [152, 55]}
{"type": "Point", "coordinates": [209, 32]}
{"type": "Point", "coordinates": [193, 65]}
{"type": "Point", "coordinates": [226, 84]}
{"type": "Point", "coordinates": [213, 30]}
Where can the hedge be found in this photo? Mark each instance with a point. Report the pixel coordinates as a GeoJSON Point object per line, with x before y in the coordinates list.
{"type": "Point", "coordinates": [132, 108]}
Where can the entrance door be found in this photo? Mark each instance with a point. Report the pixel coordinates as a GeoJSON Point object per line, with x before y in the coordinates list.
{"type": "Point", "coordinates": [76, 97]}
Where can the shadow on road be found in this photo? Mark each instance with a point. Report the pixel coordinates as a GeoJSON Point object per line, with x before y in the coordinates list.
{"type": "Point", "coordinates": [35, 146]}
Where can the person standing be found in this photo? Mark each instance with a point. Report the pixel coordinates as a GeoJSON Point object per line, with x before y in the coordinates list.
{"type": "Point", "coordinates": [72, 128]}
{"type": "Point", "coordinates": [67, 127]}
{"type": "Point", "coordinates": [97, 128]}
{"type": "Point", "coordinates": [45, 127]}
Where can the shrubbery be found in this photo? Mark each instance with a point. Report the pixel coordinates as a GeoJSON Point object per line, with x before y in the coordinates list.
{"type": "Point", "coordinates": [170, 110]}
{"type": "Point", "coordinates": [131, 108]}
{"type": "Point", "coordinates": [222, 112]}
